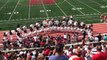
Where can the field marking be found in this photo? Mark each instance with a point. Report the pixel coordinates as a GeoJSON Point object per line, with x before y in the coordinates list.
{"type": "Point", "coordinates": [61, 2]}
{"type": "Point", "coordinates": [92, 14]}
{"type": "Point", "coordinates": [14, 10]}
{"type": "Point", "coordinates": [4, 5]}
{"type": "Point", "coordinates": [60, 8]}
{"type": "Point", "coordinates": [88, 6]}
{"type": "Point", "coordinates": [104, 0]}
{"type": "Point", "coordinates": [95, 2]}
{"type": "Point", "coordinates": [45, 9]}
{"type": "Point", "coordinates": [75, 7]}
{"type": "Point", "coordinates": [82, 16]}
{"type": "Point", "coordinates": [29, 10]}
{"type": "Point", "coordinates": [100, 3]}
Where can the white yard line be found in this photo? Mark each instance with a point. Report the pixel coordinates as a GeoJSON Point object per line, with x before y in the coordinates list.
{"type": "Point", "coordinates": [60, 9]}
{"type": "Point", "coordinates": [104, 0]}
{"type": "Point", "coordinates": [75, 7]}
{"type": "Point", "coordinates": [45, 9]}
{"type": "Point", "coordinates": [61, 2]}
{"type": "Point", "coordinates": [95, 2]}
{"type": "Point", "coordinates": [14, 10]}
{"type": "Point", "coordinates": [89, 6]}
{"type": "Point", "coordinates": [4, 5]}
{"type": "Point", "coordinates": [95, 14]}
{"type": "Point", "coordinates": [29, 10]}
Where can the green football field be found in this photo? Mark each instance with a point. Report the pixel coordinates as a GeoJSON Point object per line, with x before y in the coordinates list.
{"type": "Point", "coordinates": [13, 12]}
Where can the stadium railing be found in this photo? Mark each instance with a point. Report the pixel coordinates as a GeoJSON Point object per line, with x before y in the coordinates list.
{"type": "Point", "coordinates": [78, 43]}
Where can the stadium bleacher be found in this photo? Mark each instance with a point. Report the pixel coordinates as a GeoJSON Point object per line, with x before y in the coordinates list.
{"type": "Point", "coordinates": [53, 30]}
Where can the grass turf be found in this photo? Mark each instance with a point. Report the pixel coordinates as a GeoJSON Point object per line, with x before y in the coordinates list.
{"type": "Point", "coordinates": [13, 12]}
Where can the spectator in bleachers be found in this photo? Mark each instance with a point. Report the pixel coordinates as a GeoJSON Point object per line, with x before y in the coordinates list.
{"type": "Point", "coordinates": [68, 38]}
{"type": "Point", "coordinates": [105, 37]}
{"type": "Point", "coordinates": [77, 55]}
{"type": "Point", "coordinates": [99, 37]}
{"type": "Point", "coordinates": [84, 35]}
{"type": "Point", "coordinates": [40, 57]}
{"type": "Point", "coordinates": [93, 48]}
{"type": "Point", "coordinates": [1, 56]}
{"type": "Point", "coordinates": [59, 55]}
{"type": "Point", "coordinates": [4, 44]}
{"type": "Point", "coordinates": [10, 33]}
{"type": "Point", "coordinates": [88, 54]}
{"type": "Point", "coordinates": [96, 39]}
{"type": "Point", "coordinates": [99, 55]}
{"type": "Point", "coordinates": [75, 36]}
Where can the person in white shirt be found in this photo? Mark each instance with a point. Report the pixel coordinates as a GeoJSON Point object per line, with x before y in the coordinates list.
{"type": "Point", "coordinates": [75, 23]}
{"type": "Point", "coordinates": [96, 39]}
{"type": "Point", "coordinates": [82, 24]}
{"type": "Point", "coordinates": [45, 23]}
{"type": "Point", "coordinates": [37, 25]}
{"type": "Point", "coordinates": [71, 17]}
{"type": "Point", "coordinates": [50, 23]}
{"type": "Point", "coordinates": [63, 23]}
{"type": "Point", "coordinates": [36, 38]}
{"type": "Point", "coordinates": [70, 22]}
{"type": "Point", "coordinates": [56, 23]}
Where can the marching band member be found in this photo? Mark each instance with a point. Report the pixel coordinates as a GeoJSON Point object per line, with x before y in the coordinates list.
{"type": "Point", "coordinates": [102, 17]}
{"type": "Point", "coordinates": [56, 23]}
{"type": "Point", "coordinates": [45, 23]}
{"type": "Point", "coordinates": [105, 19]}
{"type": "Point", "coordinates": [71, 17]}
{"type": "Point", "coordinates": [11, 35]}
{"type": "Point", "coordinates": [63, 23]}
{"type": "Point", "coordinates": [70, 22]}
{"type": "Point", "coordinates": [50, 22]}
{"type": "Point", "coordinates": [37, 25]}
{"type": "Point", "coordinates": [75, 23]}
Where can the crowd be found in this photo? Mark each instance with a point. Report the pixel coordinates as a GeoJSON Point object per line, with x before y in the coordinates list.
{"type": "Point", "coordinates": [95, 51]}
{"type": "Point", "coordinates": [37, 35]}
